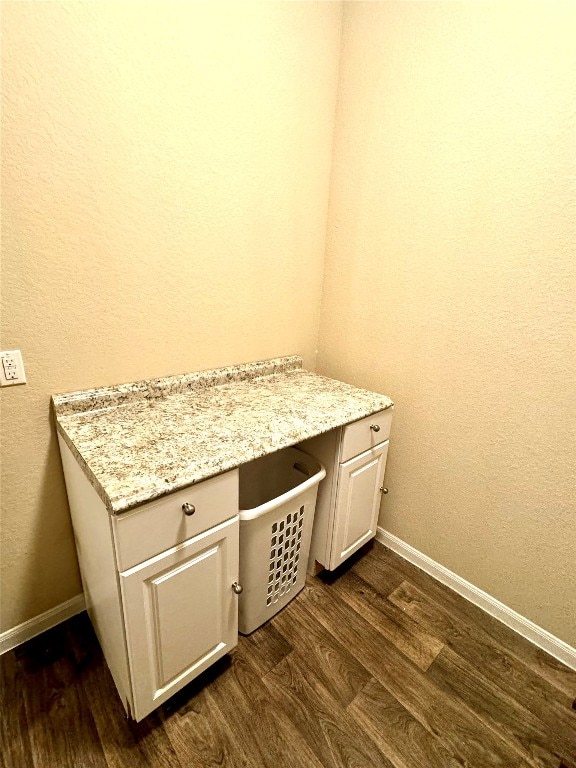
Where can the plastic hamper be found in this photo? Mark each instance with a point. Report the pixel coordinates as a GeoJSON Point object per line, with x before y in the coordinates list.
{"type": "Point", "coordinates": [277, 504]}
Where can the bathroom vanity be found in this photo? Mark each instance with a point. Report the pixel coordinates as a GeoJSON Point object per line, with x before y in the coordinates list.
{"type": "Point", "coordinates": [151, 472]}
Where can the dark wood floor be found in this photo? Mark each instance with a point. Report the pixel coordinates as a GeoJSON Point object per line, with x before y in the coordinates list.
{"type": "Point", "coordinates": [376, 665]}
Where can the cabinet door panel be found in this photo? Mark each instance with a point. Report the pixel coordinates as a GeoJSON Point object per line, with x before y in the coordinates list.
{"type": "Point", "coordinates": [358, 502]}
{"type": "Point", "coordinates": [181, 614]}
{"type": "Point", "coordinates": [177, 600]}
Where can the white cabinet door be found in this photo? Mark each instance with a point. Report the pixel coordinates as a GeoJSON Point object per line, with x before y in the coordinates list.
{"type": "Point", "coordinates": [181, 613]}
{"type": "Point", "coordinates": [357, 502]}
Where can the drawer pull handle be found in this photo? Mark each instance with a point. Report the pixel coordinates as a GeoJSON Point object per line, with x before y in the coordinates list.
{"type": "Point", "coordinates": [188, 509]}
{"type": "Point", "coordinates": [238, 588]}
{"type": "Point", "coordinates": [383, 490]}
{"type": "Point", "coordinates": [375, 427]}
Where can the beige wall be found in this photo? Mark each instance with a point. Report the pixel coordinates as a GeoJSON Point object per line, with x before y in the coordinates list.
{"type": "Point", "coordinates": [450, 282]}
{"type": "Point", "coordinates": [165, 182]}
{"type": "Point", "coordinates": [165, 185]}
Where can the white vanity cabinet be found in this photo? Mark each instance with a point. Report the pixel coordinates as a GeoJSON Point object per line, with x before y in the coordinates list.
{"type": "Point", "coordinates": [160, 582]}
{"type": "Point", "coordinates": [180, 613]}
{"type": "Point", "coordinates": [349, 498]}
{"type": "Point", "coordinates": [160, 563]}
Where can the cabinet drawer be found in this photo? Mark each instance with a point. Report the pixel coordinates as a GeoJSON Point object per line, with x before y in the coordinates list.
{"type": "Point", "coordinates": [359, 436]}
{"type": "Point", "coordinates": [152, 528]}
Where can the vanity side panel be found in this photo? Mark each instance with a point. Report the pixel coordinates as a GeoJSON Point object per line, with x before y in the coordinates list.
{"type": "Point", "coordinates": [94, 544]}
{"type": "Point", "coordinates": [325, 448]}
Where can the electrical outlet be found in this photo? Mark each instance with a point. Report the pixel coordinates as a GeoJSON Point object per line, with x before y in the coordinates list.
{"type": "Point", "coordinates": [12, 368]}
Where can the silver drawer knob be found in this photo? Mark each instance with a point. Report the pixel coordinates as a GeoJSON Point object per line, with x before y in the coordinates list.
{"type": "Point", "coordinates": [375, 427]}
{"type": "Point", "coordinates": [188, 509]}
{"type": "Point", "coordinates": [238, 588]}
{"type": "Point", "coordinates": [383, 490]}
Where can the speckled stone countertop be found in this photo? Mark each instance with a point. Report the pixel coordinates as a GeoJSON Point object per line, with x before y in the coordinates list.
{"type": "Point", "coordinates": [137, 442]}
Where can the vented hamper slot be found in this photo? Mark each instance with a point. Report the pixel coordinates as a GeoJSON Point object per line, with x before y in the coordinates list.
{"type": "Point", "coordinates": [275, 535]}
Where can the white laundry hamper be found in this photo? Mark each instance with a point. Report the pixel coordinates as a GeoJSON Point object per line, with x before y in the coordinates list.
{"type": "Point", "coordinates": [277, 504]}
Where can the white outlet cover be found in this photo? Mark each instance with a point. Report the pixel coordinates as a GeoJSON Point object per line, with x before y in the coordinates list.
{"type": "Point", "coordinates": [11, 368]}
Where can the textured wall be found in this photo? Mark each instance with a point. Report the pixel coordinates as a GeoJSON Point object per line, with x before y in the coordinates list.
{"type": "Point", "coordinates": [165, 181]}
{"type": "Point", "coordinates": [450, 282]}
{"type": "Point", "coordinates": [165, 176]}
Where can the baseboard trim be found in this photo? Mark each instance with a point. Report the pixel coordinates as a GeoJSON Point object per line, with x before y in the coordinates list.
{"type": "Point", "coordinates": [523, 626]}
{"type": "Point", "coordinates": [29, 629]}
{"type": "Point", "coordinates": [515, 621]}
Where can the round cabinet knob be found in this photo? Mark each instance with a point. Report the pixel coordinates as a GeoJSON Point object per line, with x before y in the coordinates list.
{"type": "Point", "coordinates": [238, 588]}
{"type": "Point", "coordinates": [188, 509]}
{"type": "Point", "coordinates": [383, 490]}
{"type": "Point", "coordinates": [375, 427]}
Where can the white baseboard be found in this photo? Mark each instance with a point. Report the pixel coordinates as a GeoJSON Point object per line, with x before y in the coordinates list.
{"type": "Point", "coordinates": [532, 632]}
{"type": "Point", "coordinates": [523, 626]}
{"type": "Point", "coordinates": [29, 629]}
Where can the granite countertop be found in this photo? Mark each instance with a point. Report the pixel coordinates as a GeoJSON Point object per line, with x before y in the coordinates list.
{"type": "Point", "coordinates": [137, 442]}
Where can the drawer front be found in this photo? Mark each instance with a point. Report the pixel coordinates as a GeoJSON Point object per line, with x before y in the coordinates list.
{"type": "Point", "coordinates": [155, 527]}
{"type": "Point", "coordinates": [359, 436]}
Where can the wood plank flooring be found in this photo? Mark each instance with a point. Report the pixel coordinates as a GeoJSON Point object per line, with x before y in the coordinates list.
{"type": "Point", "coordinates": [376, 665]}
